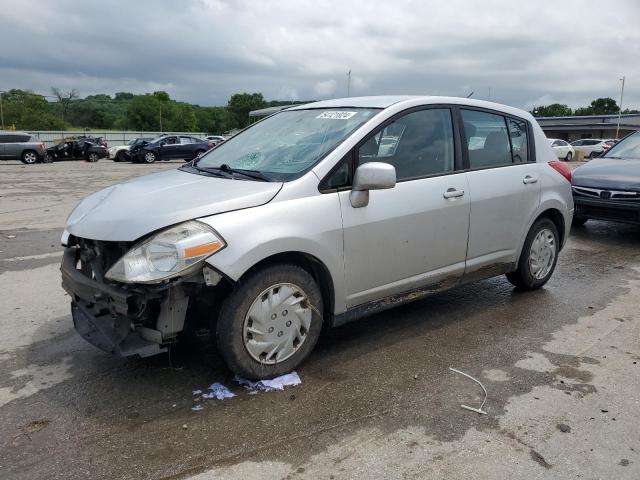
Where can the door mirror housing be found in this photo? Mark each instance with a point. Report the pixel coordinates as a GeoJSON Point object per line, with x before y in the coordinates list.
{"type": "Point", "coordinates": [371, 176]}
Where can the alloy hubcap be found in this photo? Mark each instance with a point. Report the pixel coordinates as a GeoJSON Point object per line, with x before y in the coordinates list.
{"type": "Point", "coordinates": [149, 157]}
{"type": "Point", "coordinates": [30, 157]}
{"type": "Point", "coordinates": [542, 254]}
{"type": "Point", "coordinates": [277, 323]}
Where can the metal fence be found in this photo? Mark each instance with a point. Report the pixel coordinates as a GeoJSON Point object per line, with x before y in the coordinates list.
{"type": "Point", "coordinates": [49, 137]}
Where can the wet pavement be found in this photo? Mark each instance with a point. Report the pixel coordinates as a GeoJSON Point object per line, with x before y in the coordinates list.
{"type": "Point", "coordinates": [377, 399]}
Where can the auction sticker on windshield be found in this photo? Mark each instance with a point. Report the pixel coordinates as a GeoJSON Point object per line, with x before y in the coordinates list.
{"type": "Point", "coordinates": [336, 115]}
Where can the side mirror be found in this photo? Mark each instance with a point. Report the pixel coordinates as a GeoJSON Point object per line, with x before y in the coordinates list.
{"type": "Point", "coordinates": [371, 176]}
{"type": "Point", "coordinates": [162, 144]}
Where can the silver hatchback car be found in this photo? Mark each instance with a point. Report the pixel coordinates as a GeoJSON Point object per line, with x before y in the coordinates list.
{"type": "Point", "coordinates": [312, 217]}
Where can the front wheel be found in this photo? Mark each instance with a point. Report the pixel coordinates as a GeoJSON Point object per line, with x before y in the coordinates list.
{"type": "Point", "coordinates": [121, 156]}
{"type": "Point", "coordinates": [150, 157]}
{"type": "Point", "coordinates": [538, 258]}
{"type": "Point", "coordinates": [569, 156]}
{"type": "Point", "coordinates": [270, 322]}
{"type": "Point", "coordinates": [92, 157]}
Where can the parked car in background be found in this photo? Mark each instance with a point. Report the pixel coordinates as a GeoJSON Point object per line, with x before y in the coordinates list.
{"type": "Point", "coordinates": [21, 146]}
{"type": "Point", "coordinates": [120, 153]}
{"type": "Point", "coordinates": [168, 147]}
{"type": "Point", "coordinates": [608, 188]}
{"type": "Point", "coordinates": [562, 148]}
{"type": "Point", "coordinates": [313, 217]}
{"type": "Point", "coordinates": [215, 139]}
{"type": "Point", "coordinates": [590, 147]}
{"type": "Point", "coordinates": [76, 149]}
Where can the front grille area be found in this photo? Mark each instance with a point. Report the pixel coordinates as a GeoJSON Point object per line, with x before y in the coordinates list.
{"type": "Point", "coordinates": [604, 194]}
{"type": "Point", "coordinates": [96, 257]}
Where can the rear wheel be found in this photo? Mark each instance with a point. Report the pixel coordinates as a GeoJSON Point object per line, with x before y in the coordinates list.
{"type": "Point", "coordinates": [92, 157]}
{"type": "Point", "coordinates": [29, 157]}
{"type": "Point", "coordinates": [121, 156]}
{"type": "Point", "coordinates": [538, 258]}
{"type": "Point", "coordinates": [270, 322]}
{"type": "Point", "coordinates": [569, 156]}
{"type": "Point", "coordinates": [150, 157]}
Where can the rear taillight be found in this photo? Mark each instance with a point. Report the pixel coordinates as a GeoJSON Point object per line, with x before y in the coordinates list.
{"type": "Point", "coordinates": [562, 168]}
{"type": "Point", "coordinates": [210, 145]}
{"type": "Point", "coordinates": [42, 147]}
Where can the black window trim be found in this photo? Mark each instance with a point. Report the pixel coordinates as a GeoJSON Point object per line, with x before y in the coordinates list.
{"type": "Point", "coordinates": [350, 156]}
{"type": "Point", "coordinates": [530, 139]}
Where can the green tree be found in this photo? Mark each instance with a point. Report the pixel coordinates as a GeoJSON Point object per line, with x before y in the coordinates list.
{"type": "Point", "coordinates": [181, 118]}
{"type": "Point", "coordinates": [26, 110]}
{"type": "Point", "coordinates": [143, 112]}
{"type": "Point", "coordinates": [214, 120]}
{"type": "Point", "coordinates": [65, 99]}
{"type": "Point", "coordinates": [123, 96]}
{"type": "Point", "coordinates": [600, 106]}
{"type": "Point", "coordinates": [553, 110]}
{"type": "Point", "coordinates": [240, 104]}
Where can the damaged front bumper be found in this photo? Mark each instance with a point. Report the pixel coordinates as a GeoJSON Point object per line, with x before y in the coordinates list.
{"type": "Point", "coordinates": [122, 319]}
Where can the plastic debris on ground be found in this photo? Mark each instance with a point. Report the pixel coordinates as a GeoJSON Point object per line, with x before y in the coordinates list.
{"type": "Point", "coordinates": [218, 391]}
{"type": "Point", "coordinates": [197, 408]}
{"type": "Point", "coordinates": [288, 380]}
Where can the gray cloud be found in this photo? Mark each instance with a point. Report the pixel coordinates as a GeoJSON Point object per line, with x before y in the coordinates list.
{"type": "Point", "coordinates": [202, 51]}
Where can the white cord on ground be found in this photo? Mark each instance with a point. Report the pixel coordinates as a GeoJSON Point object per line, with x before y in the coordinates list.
{"type": "Point", "coordinates": [477, 410]}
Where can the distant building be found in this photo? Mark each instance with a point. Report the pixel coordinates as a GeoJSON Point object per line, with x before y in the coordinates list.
{"type": "Point", "coordinates": [588, 126]}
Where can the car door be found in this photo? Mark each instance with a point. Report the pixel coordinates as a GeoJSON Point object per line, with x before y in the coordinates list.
{"type": "Point", "coordinates": [169, 148]}
{"type": "Point", "coordinates": [414, 234]}
{"type": "Point", "coordinates": [3, 141]}
{"type": "Point", "coordinates": [505, 189]}
{"type": "Point", "coordinates": [186, 147]}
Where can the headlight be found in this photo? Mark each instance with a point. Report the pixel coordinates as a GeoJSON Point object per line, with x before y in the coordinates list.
{"type": "Point", "coordinates": [170, 253]}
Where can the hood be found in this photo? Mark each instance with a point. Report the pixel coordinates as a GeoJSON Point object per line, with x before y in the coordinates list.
{"type": "Point", "coordinates": [130, 210]}
{"type": "Point", "coordinates": [609, 174]}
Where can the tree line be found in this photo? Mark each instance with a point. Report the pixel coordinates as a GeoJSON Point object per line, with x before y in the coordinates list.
{"type": "Point", "coordinates": [599, 106]}
{"type": "Point", "coordinates": [157, 111]}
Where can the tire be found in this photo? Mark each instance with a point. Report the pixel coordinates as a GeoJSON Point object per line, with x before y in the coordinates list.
{"type": "Point", "coordinates": [568, 157]}
{"type": "Point", "coordinates": [578, 221]}
{"type": "Point", "coordinates": [526, 277]}
{"type": "Point", "coordinates": [29, 157]}
{"type": "Point", "coordinates": [92, 157]}
{"type": "Point", "coordinates": [47, 158]}
{"type": "Point", "coordinates": [236, 328]}
{"type": "Point", "coordinates": [149, 157]}
{"type": "Point", "coordinates": [121, 156]}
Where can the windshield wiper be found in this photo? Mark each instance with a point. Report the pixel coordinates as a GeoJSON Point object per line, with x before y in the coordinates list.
{"type": "Point", "coordinates": [215, 172]}
{"type": "Point", "coordinates": [255, 174]}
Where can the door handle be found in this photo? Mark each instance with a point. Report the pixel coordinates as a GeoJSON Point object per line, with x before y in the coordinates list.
{"type": "Point", "coordinates": [529, 179]}
{"type": "Point", "coordinates": [453, 193]}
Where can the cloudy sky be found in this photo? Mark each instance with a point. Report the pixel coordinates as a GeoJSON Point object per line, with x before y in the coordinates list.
{"type": "Point", "coordinates": [521, 53]}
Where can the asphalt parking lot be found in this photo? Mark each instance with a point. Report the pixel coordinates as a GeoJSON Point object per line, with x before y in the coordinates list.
{"type": "Point", "coordinates": [561, 366]}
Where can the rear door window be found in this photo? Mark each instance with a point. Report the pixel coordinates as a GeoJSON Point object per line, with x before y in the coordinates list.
{"type": "Point", "coordinates": [487, 139]}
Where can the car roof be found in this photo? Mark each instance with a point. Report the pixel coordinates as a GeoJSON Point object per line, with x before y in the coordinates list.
{"type": "Point", "coordinates": [10, 132]}
{"type": "Point", "coordinates": [386, 101]}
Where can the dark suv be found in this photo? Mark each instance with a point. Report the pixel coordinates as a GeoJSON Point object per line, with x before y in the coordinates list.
{"type": "Point", "coordinates": [167, 147]}
{"type": "Point", "coordinates": [21, 146]}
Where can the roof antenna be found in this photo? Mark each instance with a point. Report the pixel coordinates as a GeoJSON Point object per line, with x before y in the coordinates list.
{"type": "Point", "coordinates": [472, 92]}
